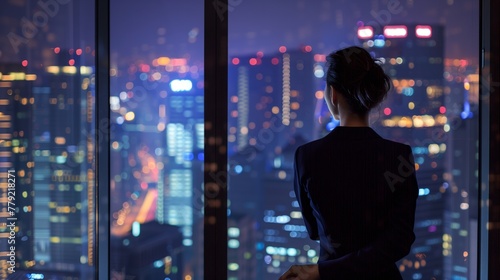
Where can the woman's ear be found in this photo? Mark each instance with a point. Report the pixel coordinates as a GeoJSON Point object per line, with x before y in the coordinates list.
{"type": "Point", "coordinates": [334, 96]}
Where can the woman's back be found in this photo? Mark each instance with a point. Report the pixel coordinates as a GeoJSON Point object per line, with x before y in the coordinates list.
{"type": "Point", "coordinates": [354, 182]}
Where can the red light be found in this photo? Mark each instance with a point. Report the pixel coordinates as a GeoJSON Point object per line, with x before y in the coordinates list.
{"type": "Point", "coordinates": [24, 63]}
{"type": "Point", "coordinates": [282, 49]}
{"type": "Point", "coordinates": [423, 31]}
{"type": "Point", "coordinates": [71, 62]}
{"type": "Point", "coordinates": [275, 61]}
{"type": "Point", "coordinates": [253, 61]}
{"type": "Point", "coordinates": [145, 68]}
{"type": "Point", "coordinates": [260, 54]}
{"type": "Point", "coordinates": [319, 57]}
{"type": "Point", "coordinates": [387, 111]}
{"type": "Point", "coordinates": [235, 61]}
{"type": "Point", "coordinates": [144, 186]}
{"type": "Point", "coordinates": [308, 48]}
{"type": "Point", "coordinates": [78, 51]}
{"type": "Point", "coordinates": [442, 109]}
{"type": "Point", "coordinates": [57, 50]}
{"type": "Point", "coordinates": [395, 31]}
{"type": "Point", "coordinates": [365, 32]}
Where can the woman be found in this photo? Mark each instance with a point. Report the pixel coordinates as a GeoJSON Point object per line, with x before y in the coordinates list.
{"type": "Point", "coordinates": [357, 191]}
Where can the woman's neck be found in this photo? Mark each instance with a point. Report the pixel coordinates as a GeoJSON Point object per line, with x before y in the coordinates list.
{"type": "Point", "coordinates": [348, 118]}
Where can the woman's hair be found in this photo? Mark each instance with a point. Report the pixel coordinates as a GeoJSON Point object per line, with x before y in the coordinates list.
{"type": "Point", "coordinates": [356, 75]}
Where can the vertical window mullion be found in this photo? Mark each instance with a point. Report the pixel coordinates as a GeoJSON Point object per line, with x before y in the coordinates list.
{"type": "Point", "coordinates": [102, 138]}
{"type": "Point", "coordinates": [215, 169]}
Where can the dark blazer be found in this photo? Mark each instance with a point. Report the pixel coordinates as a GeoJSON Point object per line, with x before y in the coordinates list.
{"type": "Point", "coordinates": [358, 193]}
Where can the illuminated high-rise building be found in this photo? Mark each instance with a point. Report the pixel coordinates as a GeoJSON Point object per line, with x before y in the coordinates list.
{"type": "Point", "coordinates": [16, 104]}
{"type": "Point", "coordinates": [414, 113]}
{"type": "Point", "coordinates": [184, 136]}
{"type": "Point", "coordinates": [417, 113]}
{"type": "Point", "coordinates": [51, 149]}
{"type": "Point", "coordinates": [271, 98]}
{"type": "Point", "coordinates": [462, 83]}
{"type": "Point", "coordinates": [286, 238]}
{"type": "Point", "coordinates": [243, 238]}
{"type": "Point", "coordinates": [63, 187]}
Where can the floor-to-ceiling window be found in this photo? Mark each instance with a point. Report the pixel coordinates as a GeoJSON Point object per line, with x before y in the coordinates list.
{"type": "Point", "coordinates": [157, 139]}
{"type": "Point", "coordinates": [276, 79]}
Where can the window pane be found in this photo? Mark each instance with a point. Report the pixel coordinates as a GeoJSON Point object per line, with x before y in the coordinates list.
{"type": "Point", "coordinates": [157, 139]}
{"type": "Point", "coordinates": [276, 83]}
{"type": "Point", "coordinates": [47, 140]}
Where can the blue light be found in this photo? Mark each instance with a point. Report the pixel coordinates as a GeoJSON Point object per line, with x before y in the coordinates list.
{"type": "Point", "coordinates": [188, 156]}
{"type": "Point", "coordinates": [136, 228]}
{"type": "Point", "coordinates": [419, 160]}
{"type": "Point", "coordinates": [35, 276]}
{"type": "Point", "coordinates": [158, 264]}
{"type": "Point", "coordinates": [408, 91]}
{"type": "Point", "coordinates": [259, 246]}
{"type": "Point", "coordinates": [201, 156]}
{"type": "Point", "coordinates": [143, 76]}
{"type": "Point", "coordinates": [420, 151]}
{"type": "Point", "coordinates": [332, 124]}
{"type": "Point", "coordinates": [268, 259]}
{"type": "Point", "coordinates": [466, 115]}
{"type": "Point", "coordinates": [422, 192]}
{"type": "Point", "coordinates": [379, 43]}
{"type": "Point", "coordinates": [238, 169]}
{"type": "Point", "coordinates": [417, 276]}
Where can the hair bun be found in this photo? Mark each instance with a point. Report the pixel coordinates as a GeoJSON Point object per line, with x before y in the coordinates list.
{"type": "Point", "coordinates": [358, 76]}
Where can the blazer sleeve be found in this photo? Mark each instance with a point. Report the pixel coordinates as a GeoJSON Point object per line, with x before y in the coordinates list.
{"type": "Point", "coordinates": [303, 197]}
{"type": "Point", "coordinates": [389, 246]}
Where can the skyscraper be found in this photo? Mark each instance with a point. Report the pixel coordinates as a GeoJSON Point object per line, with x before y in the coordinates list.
{"type": "Point", "coordinates": [16, 104]}
{"type": "Point", "coordinates": [55, 196]}
{"type": "Point", "coordinates": [271, 97]}
{"type": "Point", "coordinates": [271, 110]}
{"type": "Point", "coordinates": [416, 113]}
{"type": "Point", "coordinates": [412, 55]}
{"type": "Point", "coordinates": [63, 189]}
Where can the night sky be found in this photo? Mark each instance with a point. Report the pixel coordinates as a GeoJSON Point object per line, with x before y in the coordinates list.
{"type": "Point", "coordinates": [261, 25]}
{"type": "Point", "coordinates": [162, 27]}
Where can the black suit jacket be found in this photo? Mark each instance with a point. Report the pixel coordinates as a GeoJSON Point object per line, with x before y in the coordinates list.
{"type": "Point", "coordinates": [357, 192]}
